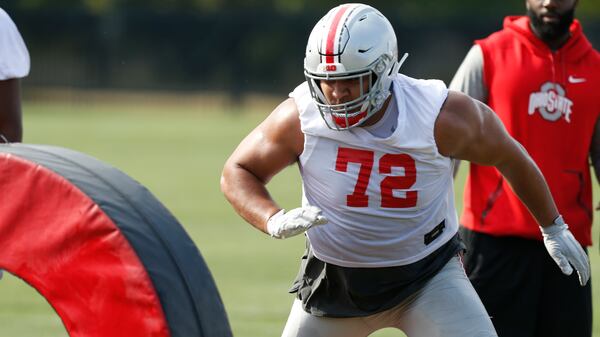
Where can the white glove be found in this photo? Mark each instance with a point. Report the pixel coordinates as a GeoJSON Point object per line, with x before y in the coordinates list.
{"type": "Point", "coordinates": [563, 248]}
{"type": "Point", "coordinates": [284, 224]}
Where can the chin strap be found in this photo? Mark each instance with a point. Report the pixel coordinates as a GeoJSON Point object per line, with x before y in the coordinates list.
{"type": "Point", "coordinates": [401, 62]}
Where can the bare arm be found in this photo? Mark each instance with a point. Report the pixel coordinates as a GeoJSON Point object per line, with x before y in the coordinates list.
{"type": "Point", "coordinates": [469, 130]}
{"type": "Point", "coordinates": [273, 145]}
{"type": "Point", "coordinates": [10, 110]}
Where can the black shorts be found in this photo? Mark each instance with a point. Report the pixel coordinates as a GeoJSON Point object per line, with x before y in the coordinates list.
{"type": "Point", "coordinates": [524, 290]}
{"type": "Point", "coordinates": [329, 290]}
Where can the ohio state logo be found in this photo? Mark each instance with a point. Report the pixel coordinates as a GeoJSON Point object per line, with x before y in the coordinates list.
{"type": "Point", "coordinates": [551, 102]}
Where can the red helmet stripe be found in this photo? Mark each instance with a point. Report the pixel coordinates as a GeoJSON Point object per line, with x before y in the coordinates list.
{"type": "Point", "coordinates": [331, 36]}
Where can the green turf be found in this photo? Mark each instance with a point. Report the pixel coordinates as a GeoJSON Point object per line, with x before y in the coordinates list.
{"type": "Point", "coordinates": [178, 153]}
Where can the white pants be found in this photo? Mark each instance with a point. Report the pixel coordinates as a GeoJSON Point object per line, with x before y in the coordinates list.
{"type": "Point", "coordinates": [447, 306]}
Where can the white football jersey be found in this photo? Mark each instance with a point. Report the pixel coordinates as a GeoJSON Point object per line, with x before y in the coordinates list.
{"type": "Point", "coordinates": [383, 197]}
{"type": "Point", "coordinates": [14, 57]}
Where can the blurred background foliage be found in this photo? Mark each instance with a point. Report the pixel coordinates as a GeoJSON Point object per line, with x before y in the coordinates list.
{"type": "Point", "coordinates": [235, 47]}
{"type": "Point", "coordinates": [424, 8]}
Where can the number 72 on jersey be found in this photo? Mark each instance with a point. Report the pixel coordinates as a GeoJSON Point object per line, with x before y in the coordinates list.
{"type": "Point", "coordinates": [365, 159]}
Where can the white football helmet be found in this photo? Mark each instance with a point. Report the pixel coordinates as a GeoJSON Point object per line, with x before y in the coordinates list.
{"type": "Point", "coordinates": [352, 41]}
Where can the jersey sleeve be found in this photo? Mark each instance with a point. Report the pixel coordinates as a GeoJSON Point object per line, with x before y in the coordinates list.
{"type": "Point", "coordinates": [14, 57]}
{"type": "Point", "coordinates": [469, 76]}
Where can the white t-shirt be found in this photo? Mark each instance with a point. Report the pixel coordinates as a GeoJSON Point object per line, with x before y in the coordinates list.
{"type": "Point", "coordinates": [14, 57]}
{"type": "Point", "coordinates": [382, 196]}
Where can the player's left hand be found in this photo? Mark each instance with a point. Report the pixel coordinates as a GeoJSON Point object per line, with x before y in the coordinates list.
{"type": "Point", "coordinates": [565, 250]}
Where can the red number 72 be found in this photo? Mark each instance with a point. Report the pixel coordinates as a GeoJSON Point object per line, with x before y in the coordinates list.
{"type": "Point", "coordinates": [365, 158]}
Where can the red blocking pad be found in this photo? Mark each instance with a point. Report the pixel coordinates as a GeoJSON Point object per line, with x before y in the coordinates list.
{"type": "Point", "coordinates": [59, 241]}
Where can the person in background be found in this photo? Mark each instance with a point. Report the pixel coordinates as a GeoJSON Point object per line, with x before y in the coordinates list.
{"type": "Point", "coordinates": [14, 65]}
{"type": "Point", "coordinates": [375, 149]}
{"type": "Point", "coordinates": [541, 76]}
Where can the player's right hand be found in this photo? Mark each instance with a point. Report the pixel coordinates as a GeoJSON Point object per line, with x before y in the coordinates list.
{"type": "Point", "coordinates": [565, 250]}
{"type": "Point", "coordinates": [284, 224]}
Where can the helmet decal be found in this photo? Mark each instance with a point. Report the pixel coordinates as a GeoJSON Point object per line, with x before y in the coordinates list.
{"type": "Point", "coordinates": [335, 32]}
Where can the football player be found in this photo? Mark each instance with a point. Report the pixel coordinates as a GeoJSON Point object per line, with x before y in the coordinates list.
{"type": "Point", "coordinates": [375, 150]}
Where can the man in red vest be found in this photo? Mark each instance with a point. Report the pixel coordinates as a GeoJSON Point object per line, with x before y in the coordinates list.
{"type": "Point", "coordinates": [541, 76]}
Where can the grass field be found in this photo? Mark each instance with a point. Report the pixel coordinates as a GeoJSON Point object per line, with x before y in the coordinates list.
{"type": "Point", "coordinates": [178, 152]}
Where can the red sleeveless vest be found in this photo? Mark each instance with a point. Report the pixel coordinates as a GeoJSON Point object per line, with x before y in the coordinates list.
{"type": "Point", "coordinates": [548, 102]}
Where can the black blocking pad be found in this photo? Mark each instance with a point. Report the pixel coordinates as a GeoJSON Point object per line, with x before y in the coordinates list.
{"type": "Point", "coordinates": [187, 292]}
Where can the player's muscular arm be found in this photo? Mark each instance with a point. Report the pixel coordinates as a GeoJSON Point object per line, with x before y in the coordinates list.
{"type": "Point", "coordinates": [269, 148]}
{"type": "Point", "coordinates": [10, 110]}
{"type": "Point", "coordinates": [469, 130]}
